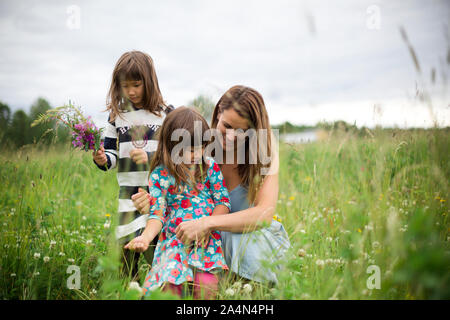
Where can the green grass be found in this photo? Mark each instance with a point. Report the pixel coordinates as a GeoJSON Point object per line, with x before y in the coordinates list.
{"type": "Point", "coordinates": [347, 202]}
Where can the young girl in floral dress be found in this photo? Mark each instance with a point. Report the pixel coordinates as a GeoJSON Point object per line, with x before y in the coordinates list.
{"type": "Point", "coordinates": [182, 192]}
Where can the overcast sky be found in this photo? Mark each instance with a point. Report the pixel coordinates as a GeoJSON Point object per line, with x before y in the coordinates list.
{"type": "Point", "coordinates": [311, 60]}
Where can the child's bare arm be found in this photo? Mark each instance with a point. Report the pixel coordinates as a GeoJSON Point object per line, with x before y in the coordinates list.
{"type": "Point", "coordinates": [141, 243]}
{"type": "Point", "coordinates": [220, 209]}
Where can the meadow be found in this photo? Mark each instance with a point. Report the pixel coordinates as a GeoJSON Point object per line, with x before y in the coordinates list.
{"type": "Point", "coordinates": [367, 217]}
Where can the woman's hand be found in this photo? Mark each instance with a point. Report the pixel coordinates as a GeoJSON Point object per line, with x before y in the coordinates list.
{"type": "Point", "coordinates": [193, 230]}
{"type": "Point", "coordinates": [141, 201]}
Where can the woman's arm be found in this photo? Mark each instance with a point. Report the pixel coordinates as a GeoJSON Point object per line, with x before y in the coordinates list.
{"type": "Point", "coordinates": [252, 218]}
{"type": "Point", "coordinates": [242, 221]}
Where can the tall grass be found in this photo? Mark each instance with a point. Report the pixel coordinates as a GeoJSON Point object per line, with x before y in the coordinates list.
{"type": "Point", "coordinates": [347, 202]}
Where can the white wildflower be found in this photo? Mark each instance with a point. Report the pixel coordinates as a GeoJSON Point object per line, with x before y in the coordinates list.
{"type": "Point", "coordinates": [301, 252]}
{"type": "Point", "coordinates": [107, 225]}
{"type": "Point", "coordinates": [37, 255]}
{"type": "Point", "coordinates": [320, 263]}
{"type": "Point", "coordinates": [71, 260]}
{"type": "Point", "coordinates": [13, 275]}
{"type": "Point", "coordinates": [46, 259]}
{"type": "Point", "coordinates": [237, 285]}
{"type": "Point", "coordinates": [133, 285]}
{"type": "Point", "coordinates": [247, 288]}
{"type": "Point", "coordinates": [62, 254]}
{"type": "Point", "coordinates": [230, 292]}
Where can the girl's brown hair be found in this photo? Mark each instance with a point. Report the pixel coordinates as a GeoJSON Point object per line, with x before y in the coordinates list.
{"type": "Point", "coordinates": [249, 104]}
{"type": "Point", "coordinates": [180, 118]}
{"type": "Point", "coordinates": [134, 66]}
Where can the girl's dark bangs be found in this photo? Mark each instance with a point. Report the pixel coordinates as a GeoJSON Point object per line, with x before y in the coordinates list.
{"type": "Point", "coordinates": [130, 73]}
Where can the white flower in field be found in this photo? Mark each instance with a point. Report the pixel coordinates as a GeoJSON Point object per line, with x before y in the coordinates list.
{"type": "Point", "coordinates": [329, 239]}
{"type": "Point", "coordinates": [247, 288]}
{"type": "Point", "coordinates": [301, 252]}
{"type": "Point", "coordinates": [308, 255]}
{"type": "Point", "coordinates": [89, 242]}
{"type": "Point", "coordinates": [71, 260]}
{"type": "Point", "coordinates": [46, 259]}
{"type": "Point", "coordinates": [289, 203]}
{"type": "Point", "coordinates": [52, 243]}
{"type": "Point", "coordinates": [13, 209]}
{"type": "Point", "coordinates": [133, 285]}
{"type": "Point", "coordinates": [62, 254]}
{"type": "Point", "coordinates": [107, 225]}
{"type": "Point", "coordinates": [355, 261]}
{"type": "Point", "coordinates": [328, 261]}
{"type": "Point", "coordinates": [320, 263]}
{"type": "Point", "coordinates": [369, 227]}
{"type": "Point", "coordinates": [5, 224]}
{"type": "Point", "coordinates": [93, 291]}
{"type": "Point", "coordinates": [36, 273]}
{"type": "Point", "coordinates": [82, 227]}
{"type": "Point", "coordinates": [302, 231]}
{"type": "Point", "coordinates": [237, 285]}
{"type": "Point", "coordinates": [305, 296]}
{"type": "Point", "coordinates": [6, 245]}
{"type": "Point", "coordinates": [375, 244]}
{"type": "Point", "coordinates": [84, 218]}
{"type": "Point", "coordinates": [13, 275]}
{"type": "Point", "coordinates": [230, 292]}
{"type": "Point", "coordinates": [36, 255]}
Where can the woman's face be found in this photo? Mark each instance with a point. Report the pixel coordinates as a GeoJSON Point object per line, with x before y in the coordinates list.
{"type": "Point", "coordinates": [229, 121]}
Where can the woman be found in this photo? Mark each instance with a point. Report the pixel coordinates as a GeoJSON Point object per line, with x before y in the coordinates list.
{"type": "Point", "coordinates": [250, 235]}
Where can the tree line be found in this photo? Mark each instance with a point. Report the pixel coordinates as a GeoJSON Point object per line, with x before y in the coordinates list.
{"type": "Point", "coordinates": [16, 130]}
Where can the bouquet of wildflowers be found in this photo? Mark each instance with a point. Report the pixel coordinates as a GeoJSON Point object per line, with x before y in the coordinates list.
{"type": "Point", "coordinates": [85, 135]}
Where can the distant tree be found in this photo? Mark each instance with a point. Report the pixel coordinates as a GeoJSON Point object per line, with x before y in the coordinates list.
{"type": "Point", "coordinates": [5, 115]}
{"type": "Point", "coordinates": [38, 133]}
{"type": "Point", "coordinates": [205, 106]}
{"type": "Point", "coordinates": [19, 131]}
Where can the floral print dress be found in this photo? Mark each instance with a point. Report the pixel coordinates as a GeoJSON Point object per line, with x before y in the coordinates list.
{"type": "Point", "coordinates": [173, 261]}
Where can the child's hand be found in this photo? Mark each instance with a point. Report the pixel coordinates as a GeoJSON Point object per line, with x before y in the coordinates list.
{"type": "Point", "coordinates": [138, 244]}
{"type": "Point", "coordinates": [100, 157]}
{"type": "Point", "coordinates": [139, 156]}
{"type": "Point", "coordinates": [141, 201]}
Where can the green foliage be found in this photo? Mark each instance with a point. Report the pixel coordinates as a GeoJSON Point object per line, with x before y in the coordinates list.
{"type": "Point", "coordinates": [205, 106]}
{"type": "Point", "coordinates": [347, 202]}
{"type": "Point", "coordinates": [16, 130]}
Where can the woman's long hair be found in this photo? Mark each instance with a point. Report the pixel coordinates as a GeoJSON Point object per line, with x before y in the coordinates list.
{"type": "Point", "coordinates": [249, 104]}
{"type": "Point", "coordinates": [134, 66]}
